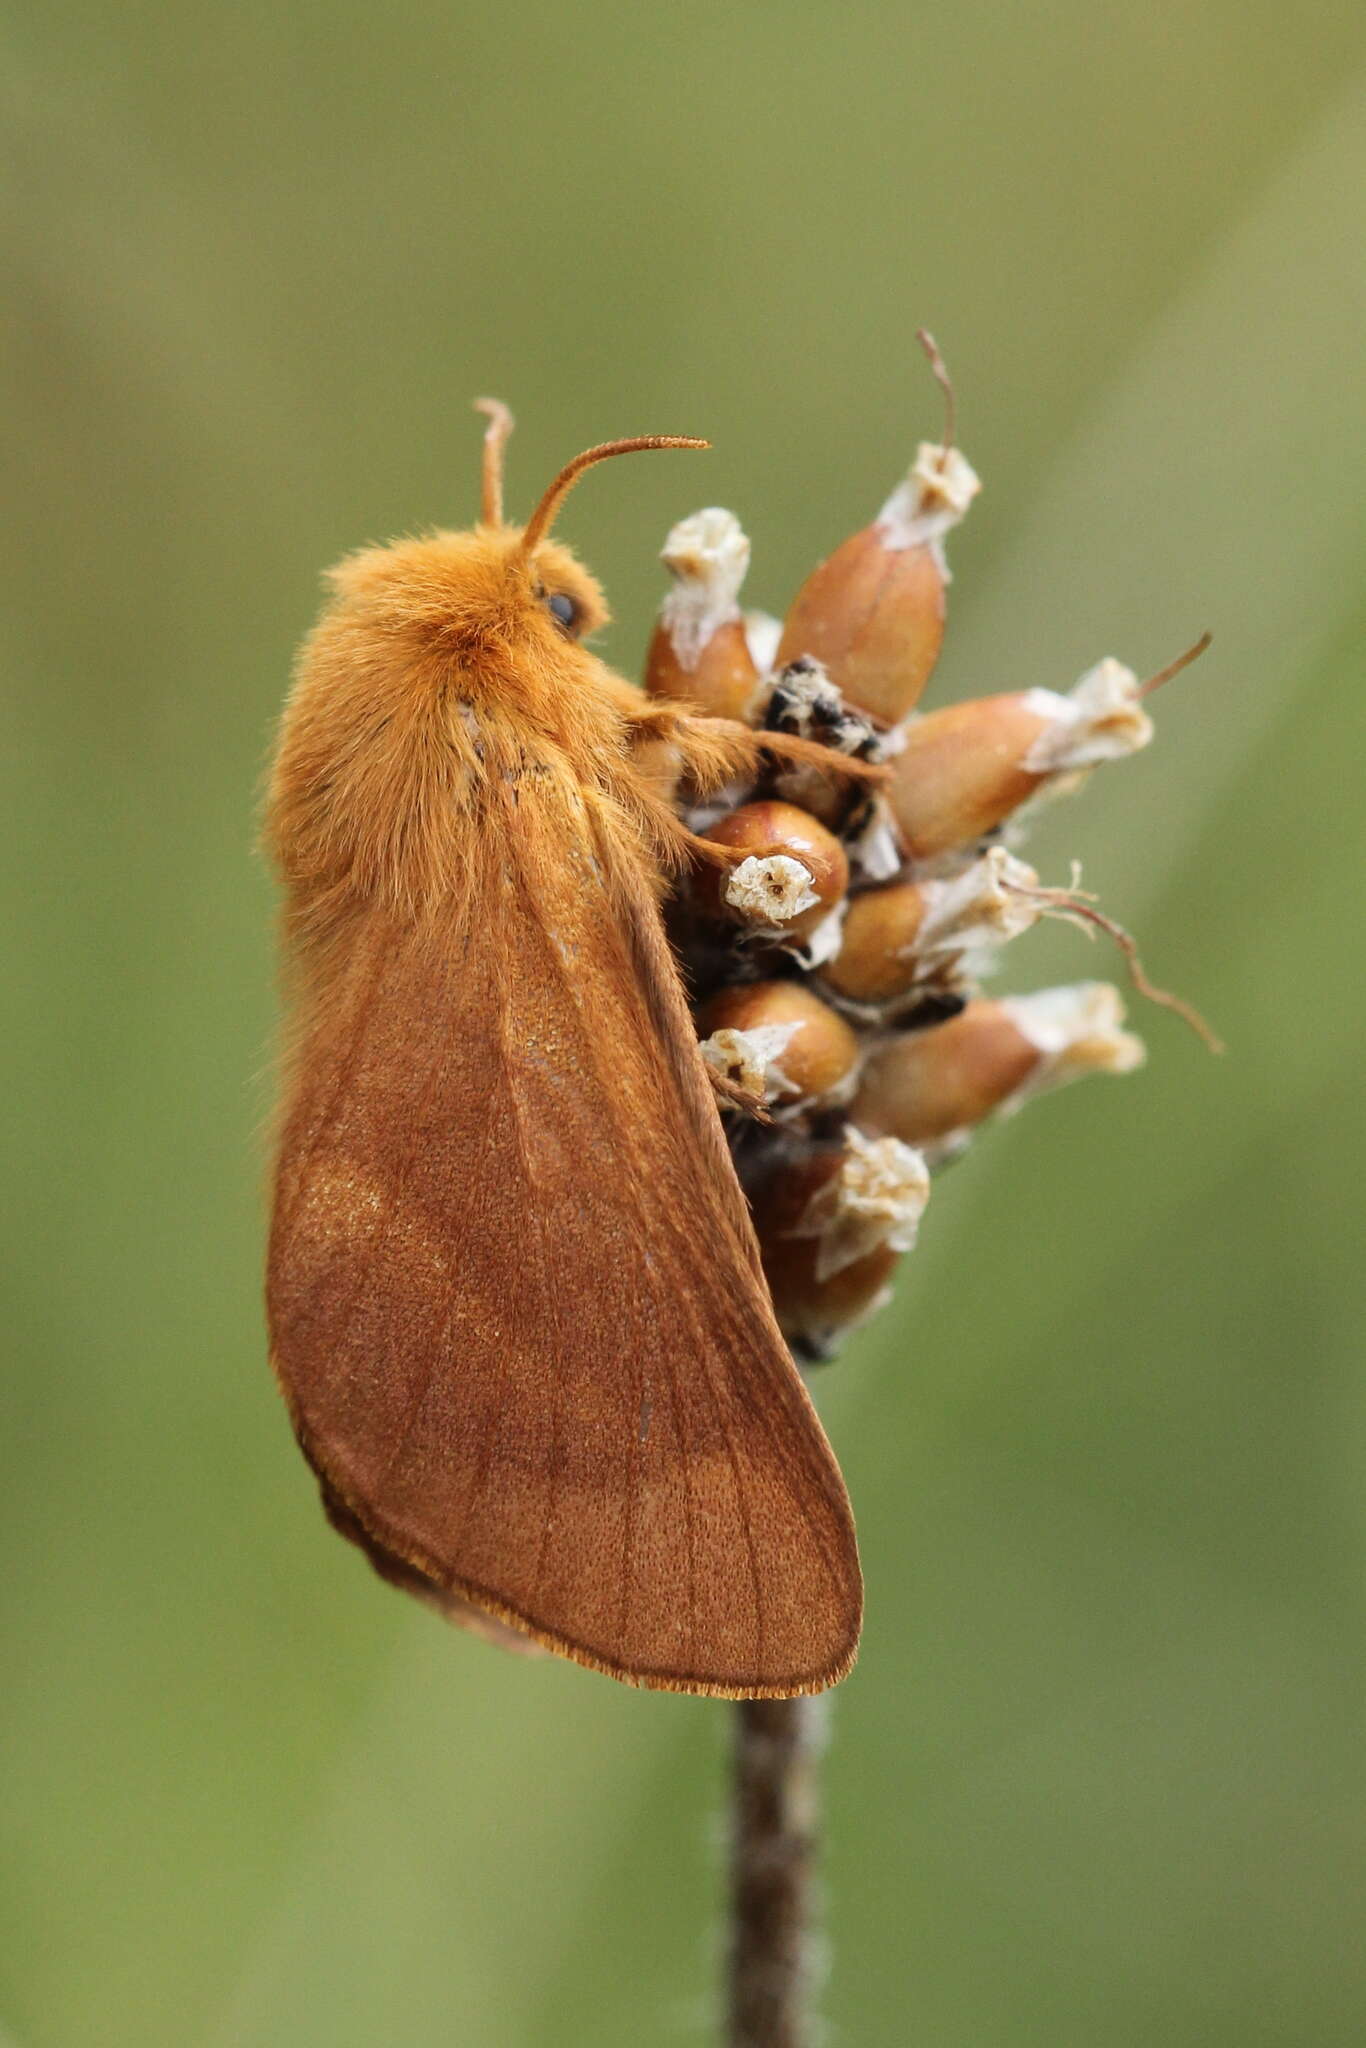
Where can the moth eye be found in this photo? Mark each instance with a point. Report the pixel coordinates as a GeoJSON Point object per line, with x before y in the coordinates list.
{"type": "Point", "coordinates": [564, 611]}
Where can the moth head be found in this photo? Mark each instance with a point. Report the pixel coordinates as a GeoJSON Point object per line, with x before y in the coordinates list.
{"type": "Point", "coordinates": [499, 588]}
{"type": "Point", "coordinates": [568, 596]}
{"type": "Point", "coordinates": [423, 641]}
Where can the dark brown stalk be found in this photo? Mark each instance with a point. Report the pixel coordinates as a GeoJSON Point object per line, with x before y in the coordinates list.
{"type": "Point", "coordinates": [773, 1856]}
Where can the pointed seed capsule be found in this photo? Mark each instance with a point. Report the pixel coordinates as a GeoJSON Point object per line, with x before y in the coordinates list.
{"type": "Point", "coordinates": [965, 769]}
{"type": "Point", "coordinates": [873, 611]}
{"type": "Point", "coordinates": [831, 1227]}
{"type": "Point", "coordinates": [931, 1087]}
{"type": "Point", "coordinates": [700, 652]}
{"type": "Point", "coordinates": [816, 1315]}
{"type": "Point", "coordinates": [778, 1040]}
{"type": "Point", "coordinates": [897, 936]}
{"type": "Point", "coordinates": [796, 876]}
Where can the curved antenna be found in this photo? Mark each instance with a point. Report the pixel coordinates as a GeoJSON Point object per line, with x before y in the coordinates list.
{"type": "Point", "coordinates": [500, 426]}
{"type": "Point", "coordinates": [543, 518]}
{"type": "Point", "coordinates": [1174, 668]}
{"type": "Point", "coordinates": [942, 378]}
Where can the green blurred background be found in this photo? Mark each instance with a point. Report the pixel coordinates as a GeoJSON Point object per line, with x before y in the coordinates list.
{"type": "Point", "coordinates": [1098, 1781]}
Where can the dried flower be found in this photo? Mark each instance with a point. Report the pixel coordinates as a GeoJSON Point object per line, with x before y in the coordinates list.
{"type": "Point", "coordinates": [832, 1225]}
{"type": "Point", "coordinates": [932, 1087]}
{"type": "Point", "coordinates": [966, 769]}
{"type": "Point", "coordinates": [873, 612]}
{"type": "Point", "coordinates": [837, 965]}
{"type": "Point", "coordinates": [909, 932]}
{"type": "Point", "coordinates": [779, 1041]}
{"type": "Point", "coordinates": [793, 880]}
{"type": "Point", "coordinates": [700, 651]}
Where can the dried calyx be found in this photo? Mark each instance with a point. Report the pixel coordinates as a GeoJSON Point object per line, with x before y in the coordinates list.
{"type": "Point", "coordinates": [837, 968]}
{"type": "Point", "coordinates": [873, 611]}
{"type": "Point", "coordinates": [793, 1049]}
{"type": "Point", "coordinates": [700, 652]}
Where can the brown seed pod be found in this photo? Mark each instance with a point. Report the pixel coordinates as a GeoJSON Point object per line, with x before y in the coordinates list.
{"type": "Point", "coordinates": [814, 1314]}
{"type": "Point", "coordinates": [699, 653]}
{"type": "Point", "coordinates": [931, 1087]}
{"type": "Point", "coordinates": [924, 1085]}
{"type": "Point", "coordinates": [896, 936]}
{"type": "Point", "coordinates": [796, 874]}
{"type": "Point", "coordinates": [874, 615]}
{"type": "Point", "coordinates": [832, 1225]}
{"type": "Point", "coordinates": [965, 769]}
{"type": "Point", "coordinates": [873, 612]}
{"type": "Point", "coordinates": [792, 1047]}
{"type": "Point", "coordinates": [876, 961]}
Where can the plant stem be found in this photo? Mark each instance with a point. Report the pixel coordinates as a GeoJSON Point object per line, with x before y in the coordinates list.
{"type": "Point", "coordinates": [773, 1855]}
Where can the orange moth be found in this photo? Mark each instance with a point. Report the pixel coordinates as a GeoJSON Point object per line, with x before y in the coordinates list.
{"type": "Point", "coordinates": [514, 1294]}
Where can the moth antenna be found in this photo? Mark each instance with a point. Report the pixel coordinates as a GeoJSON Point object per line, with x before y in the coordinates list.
{"type": "Point", "coordinates": [1174, 668]}
{"type": "Point", "coordinates": [543, 518]}
{"type": "Point", "coordinates": [500, 426]}
{"type": "Point", "coordinates": [944, 381]}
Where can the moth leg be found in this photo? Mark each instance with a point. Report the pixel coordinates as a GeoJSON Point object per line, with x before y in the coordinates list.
{"type": "Point", "coordinates": [676, 844]}
{"type": "Point", "coordinates": [732, 1094]}
{"type": "Point", "coordinates": [716, 751]}
{"type": "Point", "coordinates": [658, 762]}
{"type": "Point", "coordinates": [672, 746]}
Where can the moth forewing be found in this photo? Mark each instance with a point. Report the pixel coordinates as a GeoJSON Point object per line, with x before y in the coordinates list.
{"type": "Point", "coordinates": [515, 1302]}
